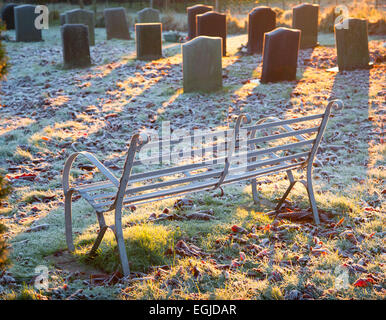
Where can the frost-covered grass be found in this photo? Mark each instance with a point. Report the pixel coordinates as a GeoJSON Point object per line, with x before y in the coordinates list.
{"type": "Point", "coordinates": [48, 112]}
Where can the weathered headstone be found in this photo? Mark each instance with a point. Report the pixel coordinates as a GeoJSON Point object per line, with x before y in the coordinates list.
{"type": "Point", "coordinates": [213, 24]}
{"type": "Point", "coordinates": [116, 24]}
{"type": "Point", "coordinates": [76, 48]}
{"type": "Point", "coordinates": [280, 55]}
{"type": "Point", "coordinates": [148, 15]}
{"type": "Point", "coordinates": [305, 18]}
{"type": "Point", "coordinates": [192, 13]}
{"type": "Point", "coordinates": [25, 24]}
{"type": "Point", "coordinates": [148, 39]}
{"type": "Point", "coordinates": [260, 20]}
{"type": "Point", "coordinates": [202, 64]}
{"type": "Point", "coordinates": [86, 17]}
{"type": "Point", "coordinates": [8, 15]}
{"type": "Point", "coordinates": [352, 44]}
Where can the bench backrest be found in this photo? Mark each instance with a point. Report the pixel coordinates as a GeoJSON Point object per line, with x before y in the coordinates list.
{"type": "Point", "coordinates": [185, 163]}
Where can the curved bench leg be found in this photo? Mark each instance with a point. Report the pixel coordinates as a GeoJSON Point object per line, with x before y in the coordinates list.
{"type": "Point", "coordinates": [121, 242]}
{"type": "Point", "coordinates": [254, 191]}
{"type": "Point", "coordinates": [285, 195]}
{"type": "Point", "coordinates": [98, 241]}
{"type": "Point", "coordinates": [68, 220]}
{"type": "Point", "coordinates": [311, 197]}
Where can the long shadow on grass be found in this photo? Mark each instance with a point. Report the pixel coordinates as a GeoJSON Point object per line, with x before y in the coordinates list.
{"type": "Point", "coordinates": [352, 87]}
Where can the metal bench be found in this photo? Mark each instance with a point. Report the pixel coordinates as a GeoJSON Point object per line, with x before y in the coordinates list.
{"type": "Point", "coordinates": [214, 159]}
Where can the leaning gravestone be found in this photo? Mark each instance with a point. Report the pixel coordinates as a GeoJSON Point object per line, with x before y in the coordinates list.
{"type": "Point", "coordinates": [25, 24]}
{"type": "Point", "coordinates": [202, 64]}
{"type": "Point", "coordinates": [305, 18]}
{"type": "Point", "coordinates": [76, 48]}
{"type": "Point", "coordinates": [148, 39]}
{"type": "Point", "coordinates": [352, 44]}
{"type": "Point", "coordinates": [260, 21]}
{"type": "Point", "coordinates": [8, 15]}
{"type": "Point", "coordinates": [86, 17]}
{"type": "Point", "coordinates": [116, 24]}
{"type": "Point", "coordinates": [213, 24]}
{"type": "Point", "coordinates": [192, 13]}
{"type": "Point", "coordinates": [280, 55]}
{"type": "Point", "coordinates": [148, 15]}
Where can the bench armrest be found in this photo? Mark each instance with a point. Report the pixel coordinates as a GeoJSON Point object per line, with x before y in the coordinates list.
{"type": "Point", "coordinates": [89, 156]}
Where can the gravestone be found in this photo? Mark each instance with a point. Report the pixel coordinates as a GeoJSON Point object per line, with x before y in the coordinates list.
{"type": "Point", "coordinates": [76, 48]}
{"type": "Point", "coordinates": [148, 15]}
{"type": "Point", "coordinates": [148, 40]}
{"type": "Point", "coordinates": [192, 13]}
{"type": "Point", "coordinates": [86, 17]}
{"type": "Point", "coordinates": [305, 18]}
{"type": "Point", "coordinates": [213, 24]}
{"type": "Point", "coordinates": [8, 15]}
{"type": "Point", "coordinates": [280, 55]}
{"type": "Point", "coordinates": [25, 24]}
{"type": "Point", "coordinates": [116, 24]}
{"type": "Point", "coordinates": [352, 44]}
{"type": "Point", "coordinates": [202, 64]}
{"type": "Point", "coordinates": [260, 20]}
{"type": "Point", "coordinates": [62, 18]}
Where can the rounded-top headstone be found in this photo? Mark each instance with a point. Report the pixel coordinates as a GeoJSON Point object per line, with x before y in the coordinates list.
{"type": "Point", "coordinates": [86, 17]}
{"type": "Point", "coordinates": [213, 24]}
{"type": "Point", "coordinates": [25, 24]}
{"type": "Point", "coordinates": [192, 13]}
{"type": "Point", "coordinates": [76, 48]}
{"type": "Point", "coordinates": [280, 55]}
{"type": "Point", "coordinates": [202, 64]}
{"type": "Point", "coordinates": [305, 18]}
{"type": "Point", "coordinates": [148, 15]}
{"type": "Point", "coordinates": [260, 20]}
{"type": "Point", "coordinates": [148, 40]}
{"type": "Point", "coordinates": [352, 44]}
{"type": "Point", "coordinates": [8, 15]}
{"type": "Point", "coordinates": [117, 26]}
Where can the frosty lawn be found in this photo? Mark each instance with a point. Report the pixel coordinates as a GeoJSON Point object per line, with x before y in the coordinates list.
{"type": "Point", "coordinates": [48, 113]}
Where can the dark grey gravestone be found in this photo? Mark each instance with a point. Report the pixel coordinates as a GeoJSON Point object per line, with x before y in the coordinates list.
{"type": "Point", "coordinates": [25, 24]}
{"type": "Point", "coordinates": [202, 64]}
{"type": "Point", "coordinates": [280, 55]}
{"type": "Point", "coordinates": [352, 44]}
{"type": "Point", "coordinates": [116, 24]}
{"type": "Point", "coordinates": [148, 39]}
{"type": "Point", "coordinates": [305, 18]}
{"type": "Point", "coordinates": [8, 16]}
{"type": "Point", "coordinates": [148, 15]}
{"type": "Point", "coordinates": [62, 18]}
{"type": "Point", "coordinates": [260, 21]}
{"type": "Point", "coordinates": [76, 48]}
{"type": "Point", "coordinates": [86, 17]}
{"type": "Point", "coordinates": [192, 13]}
{"type": "Point", "coordinates": [213, 24]}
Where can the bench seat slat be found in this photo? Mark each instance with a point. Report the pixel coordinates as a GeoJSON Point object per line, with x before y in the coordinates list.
{"type": "Point", "coordinates": [197, 186]}
{"type": "Point", "coordinates": [94, 186]}
{"type": "Point", "coordinates": [199, 176]}
{"type": "Point", "coordinates": [97, 186]}
{"type": "Point", "coordinates": [205, 163]}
